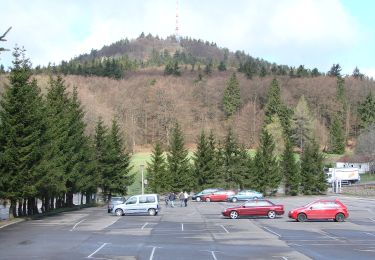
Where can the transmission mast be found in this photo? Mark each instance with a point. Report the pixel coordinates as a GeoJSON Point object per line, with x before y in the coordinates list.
{"type": "Point", "coordinates": [176, 32]}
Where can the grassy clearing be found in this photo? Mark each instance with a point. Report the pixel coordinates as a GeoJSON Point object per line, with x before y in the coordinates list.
{"type": "Point", "coordinates": [367, 177]}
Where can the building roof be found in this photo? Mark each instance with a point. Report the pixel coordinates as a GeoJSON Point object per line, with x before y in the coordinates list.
{"type": "Point", "coordinates": [356, 159]}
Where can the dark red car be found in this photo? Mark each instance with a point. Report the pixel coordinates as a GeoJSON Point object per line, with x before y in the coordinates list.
{"type": "Point", "coordinates": [217, 196]}
{"type": "Point", "coordinates": [320, 209]}
{"type": "Point", "coordinates": [255, 208]}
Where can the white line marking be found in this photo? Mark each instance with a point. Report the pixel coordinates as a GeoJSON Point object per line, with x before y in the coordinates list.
{"type": "Point", "coordinates": [144, 225]}
{"type": "Point", "coordinates": [117, 219]}
{"type": "Point", "coordinates": [370, 234]}
{"type": "Point", "coordinates": [182, 226]}
{"type": "Point", "coordinates": [226, 230]}
{"type": "Point", "coordinates": [77, 224]}
{"type": "Point", "coordinates": [366, 250]}
{"type": "Point", "coordinates": [213, 255]}
{"type": "Point", "coordinates": [372, 219]}
{"type": "Point", "coordinates": [97, 250]}
{"type": "Point", "coordinates": [152, 253]}
{"type": "Point", "coordinates": [327, 235]}
{"type": "Point", "coordinates": [273, 232]}
{"type": "Point", "coordinates": [15, 222]}
{"type": "Point", "coordinates": [283, 257]}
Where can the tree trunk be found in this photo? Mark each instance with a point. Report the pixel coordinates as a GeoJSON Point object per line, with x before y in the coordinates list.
{"type": "Point", "coordinates": [20, 208]}
{"type": "Point", "coordinates": [13, 208]}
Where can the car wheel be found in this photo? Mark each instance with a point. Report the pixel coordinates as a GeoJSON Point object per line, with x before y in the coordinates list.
{"type": "Point", "coordinates": [301, 217]}
{"type": "Point", "coordinates": [339, 217]}
{"type": "Point", "coordinates": [234, 199]}
{"type": "Point", "coordinates": [208, 199]}
{"type": "Point", "coordinates": [198, 199]}
{"type": "Point", "coordinates": [271, 214]}
{"type": "Point", "coordinates": [119, 212]}
{"type": "Point", "coordinates": [152, 212]}
{"type": "Point", "coordinates": [233, 214]}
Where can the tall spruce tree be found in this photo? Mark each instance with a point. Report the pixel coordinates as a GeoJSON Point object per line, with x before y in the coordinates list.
{"type": "Point", "coordinates": [366, 111]}
{"type": "Point", "coordinates": [232, 96]}
{"type": "Point", "coordinates": [267, 170]}
{"type": "Point", "coordinates": [118, 177]}
{"type": "Point", "coordinates": [22, 129]}
{"type": "Point", "coordinates": [313, 180]}
{"type": "Point", "coordinates": [178, 165]}
{"type": "Point", "coordinates": [337, 136]}
{"type": "Point", "coordinates": [156, 171]}
{"type": "Point", "coordinates": [204, 160]}
{"type": "Point", "coordinates": [302, 123]}
{"type": "Point", "coordinates": [290, 170]}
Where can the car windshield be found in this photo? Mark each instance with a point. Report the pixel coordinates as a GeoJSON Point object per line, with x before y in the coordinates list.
{"type": "Point", "coordinates": [311, 203]}
{"type": "Point", "coordinates": [117, 199]}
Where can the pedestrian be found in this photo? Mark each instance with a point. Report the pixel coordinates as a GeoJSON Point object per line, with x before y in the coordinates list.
{"type": "Point", "coordinates": [166, 198]}
{"type": "Point", "coordinates": [181, 198]}
{"type": "Point", "coordinates": [186, 197]}
{"type": "Point", "coordinates": [172, 198]}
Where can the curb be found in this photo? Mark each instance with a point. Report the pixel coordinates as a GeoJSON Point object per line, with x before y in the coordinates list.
{"type": "Point", "coordinates": [10, 222]}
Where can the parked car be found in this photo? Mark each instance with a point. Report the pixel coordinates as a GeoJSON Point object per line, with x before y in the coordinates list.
{"type": "Point", "coordinates": [321, 209]}
{"type": "Point", "coordinates": [197, 196]}
{"type": "Point", "coordinates": [114, 201]}
{"type": "Point", "coordinates": [221, 195]}
{"type": "Point", "coordinates": [245, 195]}
{"type": "Point", "coordinates": [139, 204]}
{"type": "Point", "coordinates": [255, 208]}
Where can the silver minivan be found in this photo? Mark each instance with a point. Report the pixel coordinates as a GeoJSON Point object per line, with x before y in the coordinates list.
{"type": "Point", "coordinates": [138, 204]}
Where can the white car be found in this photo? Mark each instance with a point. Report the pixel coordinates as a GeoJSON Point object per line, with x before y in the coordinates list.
{"type": "Point", "coordinates": [138, 204]}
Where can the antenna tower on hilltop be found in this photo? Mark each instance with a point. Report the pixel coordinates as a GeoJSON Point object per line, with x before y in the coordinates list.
{"type": "Point", "coordinates": [176, 32]}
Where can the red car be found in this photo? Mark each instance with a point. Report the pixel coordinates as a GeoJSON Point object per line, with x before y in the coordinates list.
{"type": "Point", "coordinates": [321, 209]}
{"type": "Point", "coordinates": [217, 196]}
{"type": "Point", "coordinates": [255, 208]}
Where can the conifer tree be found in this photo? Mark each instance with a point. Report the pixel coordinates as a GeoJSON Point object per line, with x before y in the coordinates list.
{"type": "Point", "coordinates": [302, 123]}
{"type": "Point", "coordinates": [290, 170]}
{"type": "Point", "coordinates": [267, 171]}
{"type": "Point", "coordinates": [118, 177]}
{"type": "Point", "coordinates": [22, 128]}
{"type": "Point", "coordinates": [156, 171]}
{"type": "Point", "coordinates": [337, 137]}
{"type": "Point", "coordinates": [313, 180]}
{"type": "Point", "coordinates": [204, 160]}
{"type": "Point", "coordinates": [232, 96]}
{"type": "Point", "coordinates": [366, 111]}
{"type": "Point", "coordinates": [178, 165]}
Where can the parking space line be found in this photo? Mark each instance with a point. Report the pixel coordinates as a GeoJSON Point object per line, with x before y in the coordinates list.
{"type": "Point", "coordinates": [182, 226]}
{"type": "Point", "coordinates": [283, 257]}
{"type": "Point", "coordinates": [77, 224]}
{"type": "Point", "coordinates": [213, 255]}
{"type": "Point", "coordinates": [328, 235]}
{"type": "Point", "coordinates": [271, 231]}
{"type": "Point", "coordinates": [97, 250]}
{"type": "Point", "coordinates": [372, 219]}
{"type": "Point", "coordinates": [144, 225]}
{"type": "Point", "coordinates": [226, 230]}
{"type": "Point", "coordinates": [370, 234]}
{"type": "Point", "coordinates": [153, 252]}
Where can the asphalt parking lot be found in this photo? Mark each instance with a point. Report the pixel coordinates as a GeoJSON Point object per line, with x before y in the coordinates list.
{"type": "Point", "coordinates": [195, 232]}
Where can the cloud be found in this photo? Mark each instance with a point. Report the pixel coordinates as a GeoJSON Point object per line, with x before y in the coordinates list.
{"type": "Point", "coordinates": [316, 33]}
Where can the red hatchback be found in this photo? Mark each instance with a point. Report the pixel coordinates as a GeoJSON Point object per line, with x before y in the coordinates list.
{"type": "Point", "coordinates": [320, 209]}
{"type": "Point", "coordinates": [217, 196]}
{"type": "Point", "coordinates": [255, 208]}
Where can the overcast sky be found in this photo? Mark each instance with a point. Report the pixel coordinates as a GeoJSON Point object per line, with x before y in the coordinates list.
{"type": "Point", "coordinates": [315, 33]}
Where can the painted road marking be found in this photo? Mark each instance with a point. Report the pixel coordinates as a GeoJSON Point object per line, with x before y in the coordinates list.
{"type": "Point", "coordinates": [182, 226]}
{"type": "Point", "coordinates": [213, 255]}
{"type": "Point", "coordinates": [328, 235]}
{"type": "Point", "coordinates": [370, 234]}
{"type": "Point", "coordinates": [283, 257]}
{"type": "Point", "coordinates": [77, 224]}
{"type": "Point", "coordinates": [97, 250]}
{"type": "Point", "coordinates": [271, 231]}
{"type": "Point", "coordinates": [153, 252]}
{"type": "Point", "coordinates": [144, 225]}
{"type": "Point", "coordinates": [226, 230]}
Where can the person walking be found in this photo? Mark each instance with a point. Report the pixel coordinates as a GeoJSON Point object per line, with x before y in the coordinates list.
{"type": "Point", "coordinates": [166, 198]}
{"type": "Point", "coordinates": [186, 197]}
{"type": "Point", "coordinates": [172, 198]}
{"type": "Point", "coordinates": [181, 198]}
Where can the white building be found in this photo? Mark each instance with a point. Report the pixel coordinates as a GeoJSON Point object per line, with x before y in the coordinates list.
{"type": "Point", "coordinates": [363, 163]}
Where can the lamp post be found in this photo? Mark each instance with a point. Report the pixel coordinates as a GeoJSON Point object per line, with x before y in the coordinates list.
{"type": "Point", "coordinates": [143, 183]}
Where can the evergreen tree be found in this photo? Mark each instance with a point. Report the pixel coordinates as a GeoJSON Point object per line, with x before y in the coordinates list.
{"type": "Point", "coordinates": [302, 123]}
{"type": "Point", "coordinates": [232, 96]}
{"type": "Point", "coordinates": [156, 171]}
{"type": "Point", "coordinates": [313, 179]}
{"type": "Point", "coordinates": [204, 160]}
{"type": "Point", "coordinates": [335, 71]}
{"type": "Point", "coordinates": [266, 170]}
{"type": "Point", "coordinates": [118, 177]}
{"type": "Point", "coordinates": [22, 128]}
{"type": "Point", "coordinates": [222, 66]}
{"type": "Point", "coordinates": [232, 166]}
{"type": "Point", "coordinates": [366, 111]}
{"type": "Point", "coordinates": [178, 165]}
{"type": "Point", "coordinates": [357, 74]}
{"type": "Point", "coordinates": [337, 137]}
{"type": "Point", "coordinates": [208, 68]}
{"type": "Point", "coordinates": [275, 129]}
{"type": "Point", "coordinates": [290, 170]}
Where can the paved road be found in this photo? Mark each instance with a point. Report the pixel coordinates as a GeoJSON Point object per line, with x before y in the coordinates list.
{"type": "Point", "coordinates": [195, 232]}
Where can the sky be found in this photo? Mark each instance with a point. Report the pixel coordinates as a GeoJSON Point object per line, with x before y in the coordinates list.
{"type": "Point", "coordinates": [313, 33]}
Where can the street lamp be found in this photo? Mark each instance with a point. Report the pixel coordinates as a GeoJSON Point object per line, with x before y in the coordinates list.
{"type": "Point", "coordinates": [143, 183]}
